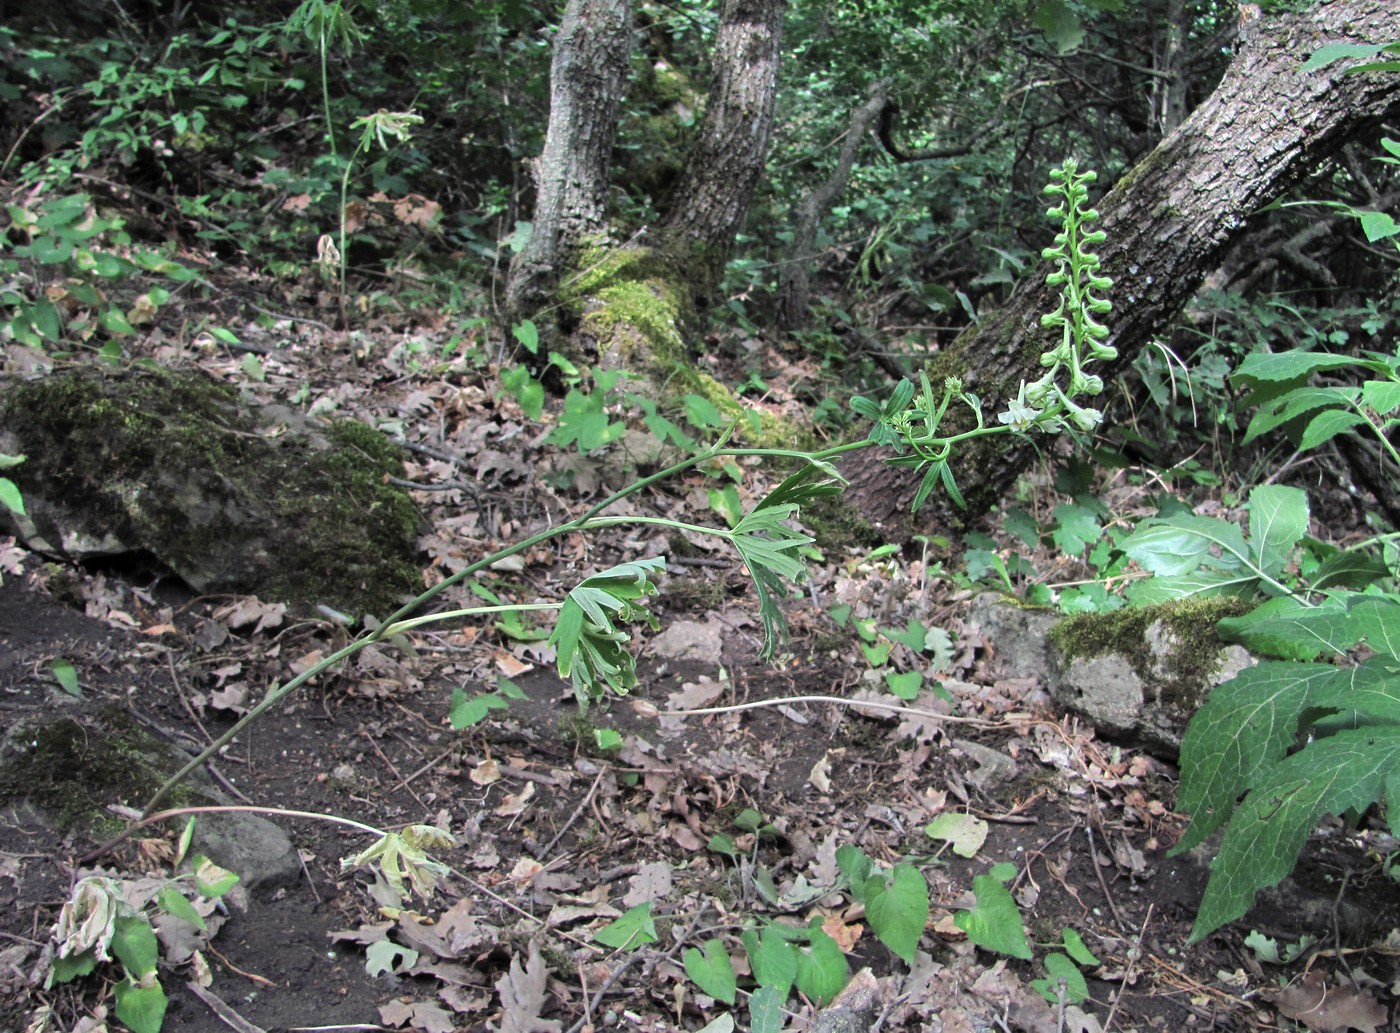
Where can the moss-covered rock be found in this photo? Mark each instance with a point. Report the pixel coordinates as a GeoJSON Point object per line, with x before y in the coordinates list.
{"type": "Point", "coordinates": [229, 496]}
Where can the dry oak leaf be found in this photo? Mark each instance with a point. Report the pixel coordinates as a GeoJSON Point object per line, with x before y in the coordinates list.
{"type": "Point", "coordinates": [522, 993]}
{"type": "Point", "coordinates": [1326, 1009]}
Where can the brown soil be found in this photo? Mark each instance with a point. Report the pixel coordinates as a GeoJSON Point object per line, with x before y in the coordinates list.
{"type": "Point", "coordinates": [599, 832]}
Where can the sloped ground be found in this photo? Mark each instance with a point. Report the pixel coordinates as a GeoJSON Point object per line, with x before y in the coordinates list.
{"type": "Point", "coordinates": [556, 837]}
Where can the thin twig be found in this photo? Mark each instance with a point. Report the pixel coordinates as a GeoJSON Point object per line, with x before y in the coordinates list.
{"type": "Point", "coordinates": [572, 818]}
{"type": "Point", "coordinates": [1133, 956]}
{"type": "Point", "coordinates": [222, 1010]}
{"type": "Point", "coordinates": [1103, 884]}
{"type": "Point", "coordinates": [649, 709]}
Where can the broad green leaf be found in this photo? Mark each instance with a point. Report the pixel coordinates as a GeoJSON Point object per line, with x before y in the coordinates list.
{"type": "Point", "coordinates": [134, 944]}
{"type": "Point", "coordinates": [905, 684]}
{"type": "Point", "coordinates": [1278, 519]}
{"type": "Point", "coordinates": [75, 966]}
{"type": "Point", "coordinates": [140, 1005]}
{"type": "Point", "coordinates": [772, 959]}
{"type": "Point", "coordinates": [634, 929]}
{"type": "Point", "coordinates": [1245, 726]}
{"type": "Point", "coordinates": [854, 865]}
{"type": "Point", "coordinates": [710, 969]}
{"type": "Point", "coordinates": [965, 833]}
{"type": "Point", "coordinates": [525, 389]}
{"type": "Point", "coordinates": [471, 710]}
{"type": "Point", "coordinates": [1060, 24]}
{"type": "Point", "coordinates": [1289, 365]}
{"type": "Point", "coordinates": [897, 906]}
{"type": "Point", "coordinates": [726, 502]}
{"type": "Point", "coordinates": [1077, 528]}
{"type": "Point", "coordinates": [1169, 546]}
{"type": "Point", "coordinates": [1347, 568]}
{"type": "Point", "coordinates": [174, 903]}
{"type": "Point", "coordinates": [1347, 771]}
{"type": "Point", "coordinates": [1075, 948]}
{"type": "Point", "coordinates": [1381, 395]}
{"type": "Point", "coordinates": [1327, 425]}
{"type": "Point", "coordinates": [723, 1023]}
{"type": "Point", "coordinates": [701, 413]}
{"type": "Point", "coordinates": [1022, 525]}
{"type": "Point", "coordinates": [585, 423]}
{"type": "Point", "coordinates": [10, 496]}
{"type": "Point", "coordinates": [721, 844]}
{"type": "Point", "coordinates": [1326, 55]}
{"type": "Point", "coordinates": [607, 739]}
{"type": "Point", "coordinates": [995, 923]}
{"type": "Point", "coordinates": [876, 654]}
{"type": "Point", "coordinates": [210, 879]}
{"type": "Point", "coordinates": [1201, 584]}
{"type": "Point", "coordinates": [1062, 972]}
{"type": "Point", "coordinates": [590, 648]}
{"type": "Point", "coordinates": [913, 636]}
{"type": "Point", "coordinates": [766, 1010]}
{"type": "Point", "coordinates": [821, 968]}
{"type": "Point", "coordinates": [64, 673]}
{"type": "Point", "coordinates": [529, 337]}
{"type": "Point", "coordinates": [1292, 404]}
{"type": "Point", "coordinates": [1286, 628]}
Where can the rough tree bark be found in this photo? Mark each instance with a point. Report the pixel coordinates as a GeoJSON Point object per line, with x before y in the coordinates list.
{"type": "Point", "coordinates": [796, 278]}
{"type": "Point", "coordinates": [633, 305]}
{"type": "Point", "coordinates": [1169, 221]}
{"type": "Point", "coordinates": [586, 81]}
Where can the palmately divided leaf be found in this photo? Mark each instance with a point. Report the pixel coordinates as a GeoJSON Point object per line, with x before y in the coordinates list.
{"type": "Point", "coordinates": [770, 547]}
{"type": "Point", "coordinates": [1347, 771]}
{"type": "Point", "coordinates": [590, 648]}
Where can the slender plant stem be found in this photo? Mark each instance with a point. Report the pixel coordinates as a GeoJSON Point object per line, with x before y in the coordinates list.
{"type": "Point", "coordinates": [278, 693]}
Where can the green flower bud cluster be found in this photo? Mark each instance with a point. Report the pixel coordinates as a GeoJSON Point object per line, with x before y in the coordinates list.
{"type": "Point", "coordinates": [1044, 403]}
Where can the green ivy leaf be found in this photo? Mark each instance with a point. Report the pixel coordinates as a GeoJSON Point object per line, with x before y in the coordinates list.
{"type": "Point", "coordinates": [528, 335]}
{"type": "Point", "coordinates": [897, 906]}
{"type": "Point", "coordinates": [995, 923]}
{"type": "Point", "coordinates": [906, 684]}
{"type": "Point", "coordinates": [772, 958]}
{"type": "Point", "coordinates": [821, 967]}
{"type": "Point", "coordinates": [711, 970]}
{"type": "Point", "coordinates": [1062, 969]}
{"type": "Point", "coordinates": [634, 929]}
{"type": "Point", "coordinates": [140, 1005]}
{"type": "Point", "coordinates": [585, 423]}
{"type": "Point", "coordinates": [913, 636]}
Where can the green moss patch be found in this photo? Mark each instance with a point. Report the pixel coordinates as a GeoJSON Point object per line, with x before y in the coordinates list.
{"type": "Point", "coordinates": [173, 464]}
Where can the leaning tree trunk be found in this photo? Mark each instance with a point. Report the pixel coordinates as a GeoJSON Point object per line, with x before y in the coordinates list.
{"type": "Point", "coordinates": [1267, 125]}
{"type": "Point", "coordinates": [586, 80]}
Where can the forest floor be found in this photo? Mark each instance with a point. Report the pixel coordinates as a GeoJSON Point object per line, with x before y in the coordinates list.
{"type": "Point", "coordinates": [556, 836]}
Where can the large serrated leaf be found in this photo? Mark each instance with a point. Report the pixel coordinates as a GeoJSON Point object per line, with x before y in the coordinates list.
{"type": "Point", "coordinates": [1170, 546]}
{"type": "Point", "coordinates": [1278, 519]}
{"type": "Point", "coordinates": [1287, 365]}
{"type": "Point", "coordinates": [1200, 584]}
{"type": "Point", "coordinates": [1347, 771]}
{"type": "Point", "coordinates": [1289, 629]}
{"type": "Point", "coordinates": [1327, 425]}
{"type": "Point", "coordinates": [1247, 724]}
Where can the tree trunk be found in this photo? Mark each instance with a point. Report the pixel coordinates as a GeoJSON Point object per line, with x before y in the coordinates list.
{"type": "Point", "coordinates": [712, 199]}
{"type": "Point", "coordinates": [1169, 220]}
{"type": "Point", "coordinates": [587, 76]}
{"type": "Point", "coordinates": [796, 278]}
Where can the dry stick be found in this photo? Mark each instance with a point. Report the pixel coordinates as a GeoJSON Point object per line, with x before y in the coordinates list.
{"type": "Point", "coordinates": [222, 1010]}
{"type": "Point", "coordinates": [1133, 957]}
{"type": "Point", "coordinates": [649, 709]}
{"type": "Point", "coordinates": [572, 818]}
{"type": "Point", "coordinates": [1103, 885]}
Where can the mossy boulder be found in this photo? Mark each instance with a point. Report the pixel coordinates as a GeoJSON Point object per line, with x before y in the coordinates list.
{"type": "Point", "coordinates": [231, 496]}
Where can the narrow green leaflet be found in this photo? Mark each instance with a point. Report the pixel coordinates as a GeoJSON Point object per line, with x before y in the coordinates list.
{"type": "Point", "coordinates": [590, 648]}
{"type": "Point", "coordinates": [1293, 404]}
{"type": "Point", "coordinates": [1327, 425]}
{"type": "Point", "coordinates": [897, 906]}
{"type": "Point", "coordinates": [634, 929]}
{"type": "Point", "coordinates": [10, 496]}
{"type": "Point", "coordinates": [1347, 771]}
{"type": "Point", "coordinates": [1244, 728]}
{"type": "Point", "coordinates": [1278, 519]}
{"type": "Point", "coordinates": [709, 968]}
{"type": "Point", "coordinates": [771, 548]}
{"type": "Point", "coordinates": [995, 923]}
